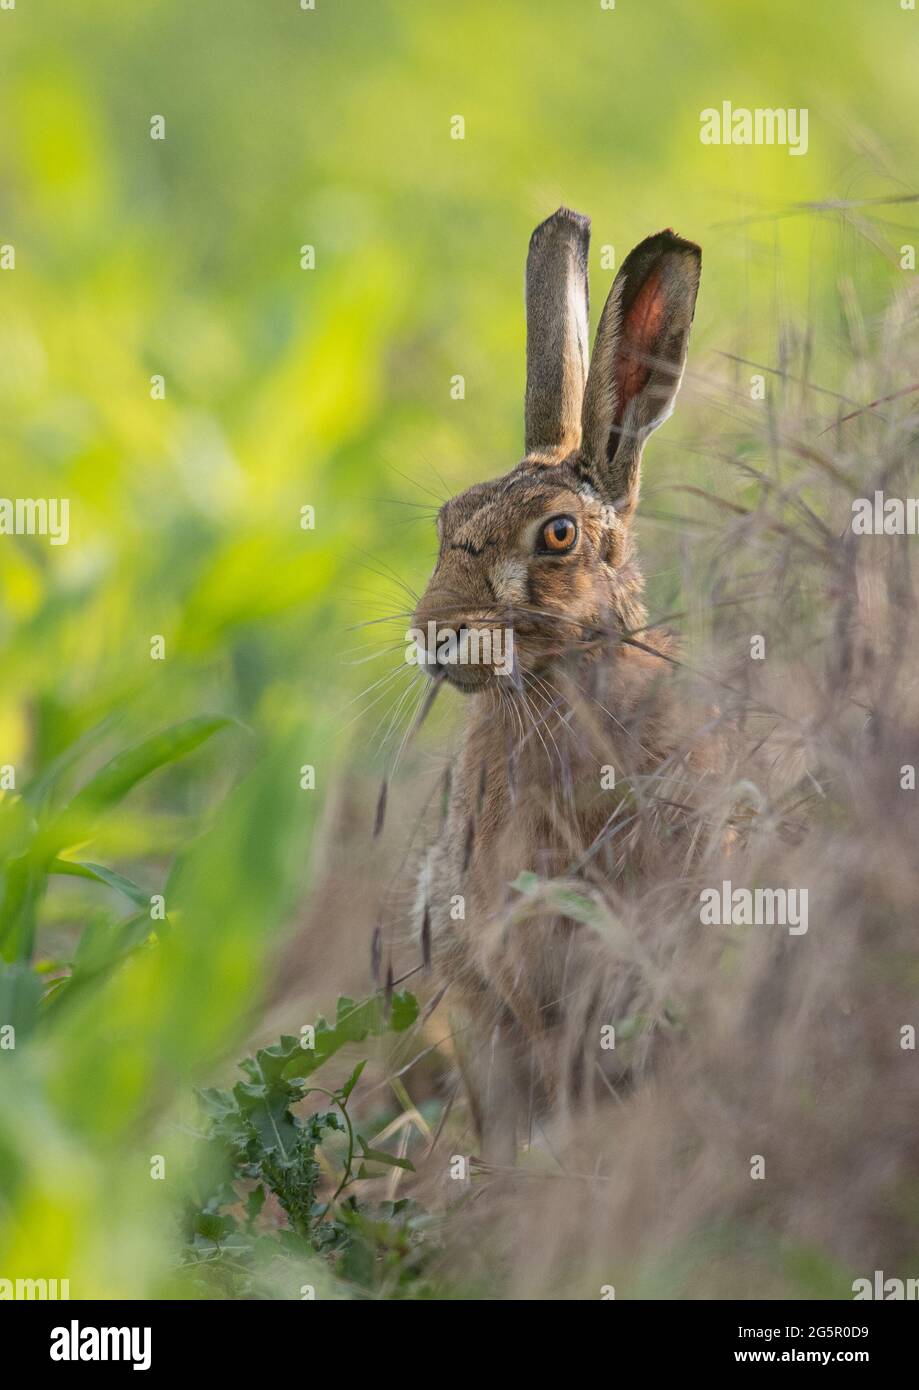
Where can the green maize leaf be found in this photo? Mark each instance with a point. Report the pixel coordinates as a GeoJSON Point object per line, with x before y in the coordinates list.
{"type": "Point", "coordinates": [99, 874]}
{"type": "Point", "coordinates": [20, 996]}
{"type": "Point", "coordinates": [120, 775]}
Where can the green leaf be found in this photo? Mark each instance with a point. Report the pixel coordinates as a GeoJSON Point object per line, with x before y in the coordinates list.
{"type": "Point", "coordinates": [268, 1114]}
{"type": "Point", "coordinates": [25, 877]}
{"type": "Point", "coordinates": [17, 827]}
{"type": "Point", "coordinates": [103, 945]}
{"type": "Point", "coordinates": [403, 1011]}
{"type": "Point", "coordinates": [213, 1227]}
{"type": "Point", "coordinates": [269, 1063]}
{"type": "Point", "coordinates": [39, 791]}
{"type": "Point", "coordinates": [23, 888]}
{"type": "Point", "coordinates": [559, 897]}
{"type": "Point", "coordinates": [103, 942]}
{"type": "Point", "coordinates": [353, 1023]}
{"type": "Point", "coordinates": [630, 1027]}
{"type": "Point", "coordinates": [99, 874]}
{"type": "Point", "coordinates": [255, 1200]}
{"type": "Point", "coordinates": [112, 782]}
{"type": "Point", "coordinates": [352, 1081]}
{"type": "Point", "coordinates": [577, 907]}
{"type": "Point", "coordinates": [215, 1102]}
{"type": "Point", "coordinates": [378, 1156]}
{"type": "Point", "coordinates": [20, 996]}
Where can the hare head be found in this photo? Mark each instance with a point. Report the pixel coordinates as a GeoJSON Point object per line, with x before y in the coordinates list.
{"type": "Point", "coordinates": [545, 551]}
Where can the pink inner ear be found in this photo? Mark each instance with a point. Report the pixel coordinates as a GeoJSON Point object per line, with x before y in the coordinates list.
{"type": "Point", "coordinates": [640, 335]}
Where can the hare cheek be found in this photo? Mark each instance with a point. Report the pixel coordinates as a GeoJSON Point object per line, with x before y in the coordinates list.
{"type": "Point", "coordinates": [509, 581]}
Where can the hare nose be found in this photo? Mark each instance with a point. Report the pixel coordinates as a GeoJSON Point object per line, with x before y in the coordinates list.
{"type": "Point", "coordinates": [440, 654]}
{"type": "Point", "coordinates": [435, 648]}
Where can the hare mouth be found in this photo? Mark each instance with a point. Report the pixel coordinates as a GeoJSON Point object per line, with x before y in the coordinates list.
{"type": "Point", "coordinates": [461, 679]}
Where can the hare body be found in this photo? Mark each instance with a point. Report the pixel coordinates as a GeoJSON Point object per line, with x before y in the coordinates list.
{"type": "Point", "coordinates": [544, 557]}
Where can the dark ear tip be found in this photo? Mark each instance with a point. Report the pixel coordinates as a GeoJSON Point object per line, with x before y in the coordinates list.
{"type": "Point", "coordinates": [564, 221]}
{"type": "Point", "coordinates": [668, 240]}
{"type": "Point", "coordinates": [654, 248]}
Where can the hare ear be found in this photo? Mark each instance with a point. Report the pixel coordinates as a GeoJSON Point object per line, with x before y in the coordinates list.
{"type": "Point", "coordinates": [556, 304]}
{"type": "Point", "coordinates": [638, 361]}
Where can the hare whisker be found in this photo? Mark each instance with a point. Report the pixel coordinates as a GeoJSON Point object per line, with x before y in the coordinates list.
{"type": "Point", "coordinates": [387, 676]}
{"type": "Point", "coordinates": [382, 695]}
{"type": "Point", "coordinates": [543, 718]}
{"type": "Point", "coordinates": [414, 483]}
{"type": "Point", "coordinates": [375, 656]}
{"type": "Point", "coordinates": [405, 698]}
{"type": "Point", "coordinates": [375, 622]}
{"type": "Point", "coordinates": [389, 576]}
{"type": "Point", "coordinates": [423, 694]}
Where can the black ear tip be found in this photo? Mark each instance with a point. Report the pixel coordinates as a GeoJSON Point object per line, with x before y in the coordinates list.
{"type": "Point", "coordinates": [650, 251]}
{"type": "Point", "coordinates": [564, 222]}
{"type": "Point", "coordinates": [670, 241]}
{"type": "Point", "coordinates": [579, 220]}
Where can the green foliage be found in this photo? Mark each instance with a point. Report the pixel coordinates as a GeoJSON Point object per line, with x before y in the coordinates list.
{"type": "Point", "coordinates": [48, 831]}
{"type": "Point", "coordinates": [257, 1145]}
{"type": "Point", "coordinates": [101, 1017]}
{"type": "Point", "coordinates": [20, 996]}
{"type": "Point", "coordinates": [26, 872]}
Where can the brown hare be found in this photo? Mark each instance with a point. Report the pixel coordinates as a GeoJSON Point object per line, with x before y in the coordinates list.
{"type": "Point", "coordinates": [543, 559]}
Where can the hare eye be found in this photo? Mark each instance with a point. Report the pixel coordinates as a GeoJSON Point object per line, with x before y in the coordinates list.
{"type": "Point", "coordinates": [559, 534]}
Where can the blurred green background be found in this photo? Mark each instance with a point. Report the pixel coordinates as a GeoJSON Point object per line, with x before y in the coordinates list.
{"type": "Point", "coordinates": [330, 387]}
